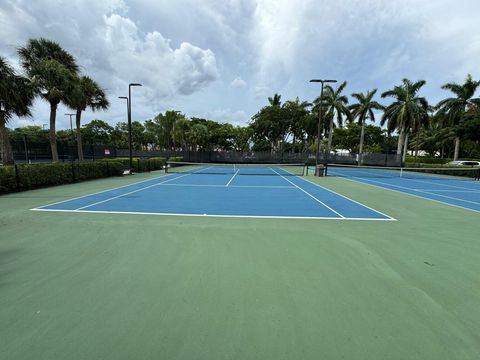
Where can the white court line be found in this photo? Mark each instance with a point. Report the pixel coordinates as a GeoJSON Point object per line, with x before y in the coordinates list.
{"type": "Point", "coordinates": [346, 197]}
{"type": "Point", "coordinates": [103, 191]}
{"type": "Point", "coordinates": [306, 192]}
{"type": "Point", "coordinates": [233, 177]}
{"type": "Point", "coordinates": [233, 186]}
{"type": "Point", "coordinates": [365, 181]}
{"type": "Point", "coordinates": [215, 215]}
{"type": "Point", "coordinates": [441, 184]}
{"type": "Point", "coordinates": [134, 191]}
{"type": "Point", "coordinates": [426, 192]}
{"type": "Point", "coordinates": [369, 175]}
{"type": "Point", "coordinates": [448, 190]}
{"type": "Point", "coordinates": [128, 193]}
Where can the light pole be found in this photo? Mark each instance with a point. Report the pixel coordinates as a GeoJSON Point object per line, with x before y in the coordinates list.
{"type": "Point", "coordinates": [130, 122]}
{"type": "Point", "coordinates": [320, 114]}
{"type": "Point", "coordinates": [71, 126]}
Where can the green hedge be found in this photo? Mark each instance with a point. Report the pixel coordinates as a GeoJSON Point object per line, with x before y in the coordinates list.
{"type": "Point", "coordinates": [139, 164]}
{"type": "Point", "coordinates": [431, 160]}
{"type": "Point", "coordinates": [31, 176]}
{"type": "Point", "coordinates": [8, 180]}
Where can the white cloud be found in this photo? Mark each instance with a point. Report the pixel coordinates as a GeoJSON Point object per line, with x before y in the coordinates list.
{"type": "Point", "coordinates": [187, 52]}
{"type": "Point", "coordinates": [235, 117]}
{"type": "Point", "coordinates": [151, 60]}
{"type": "Point", "coordinates": [238, 83]}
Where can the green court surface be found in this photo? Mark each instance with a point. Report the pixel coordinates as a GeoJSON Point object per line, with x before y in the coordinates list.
{"type": "Point", "coordinates": [117, 286]}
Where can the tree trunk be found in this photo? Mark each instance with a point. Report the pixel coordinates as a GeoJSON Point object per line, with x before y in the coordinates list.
{"type": "Point", "coordinates": [405, 147]}
{"type": "Point", "coordinates": [401, 138]}
{"type": "Point", "coordinates": [5, 147]}
{"type": "Point", "coordinates": [52, 134]}
{"type": "Point", "coordinates": [330, 137]}
{"type": "Point", "coordinates": [417, 145]}
{"type": "Point", "coordinates": [457, 148]}
{"type": "Point", "coordinates": [78, 118]}
{"type": "Point", "coordinates": [360, 149]}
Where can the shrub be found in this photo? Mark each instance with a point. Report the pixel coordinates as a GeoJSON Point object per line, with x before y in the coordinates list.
{"type": "Point", "coordinates": [31, 176]}
{"type": "Point", "coordinates": [7, 179]}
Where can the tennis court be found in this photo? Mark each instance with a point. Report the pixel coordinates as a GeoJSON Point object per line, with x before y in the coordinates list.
{"type": "Point", "coordinates": [455, 187]}
{"type": "Point", "coordinates": [260, 190]}
{"type": "Point", "coordinates": [95, 275]}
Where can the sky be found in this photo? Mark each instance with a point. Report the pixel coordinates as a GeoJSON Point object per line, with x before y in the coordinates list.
{"type": "Point", "coordinates": [221, 60]}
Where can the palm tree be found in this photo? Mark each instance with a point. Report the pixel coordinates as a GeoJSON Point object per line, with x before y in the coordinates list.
{"type": "Point", "coordinates": [363, 110]}
{"type": "Point", "coordinates": [16, 95]}
{"type": "Point", "coordinates": [457, 107]}
{"type": "Point", "coordinates": [336, 105]}
{"type": "Point", "coordinates": [406, 113]}
{"type": "Point", "coordinates": [86, 93]}
{"type": "Point", "coordinates": [53, 71]}
{"type": "Point", "coordinates": [275, 100]}
{"type": "Point", "coordinates": [433, 137]}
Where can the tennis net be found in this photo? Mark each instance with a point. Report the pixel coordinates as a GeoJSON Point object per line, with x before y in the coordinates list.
{"type": "Point", "coordinates": [239, 169]}
{"type": "Point", "coordinates": [419, 173]}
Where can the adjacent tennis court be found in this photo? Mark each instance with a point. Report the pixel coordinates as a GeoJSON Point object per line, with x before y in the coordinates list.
{"type": "Point", "coordinates": [261, 190]}
{"type": "Point", "coordinates": [453, 186]}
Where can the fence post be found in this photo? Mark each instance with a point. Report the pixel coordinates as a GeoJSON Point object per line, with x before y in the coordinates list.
{"type": "Point", "coordinates": [17, 177]}
{"type": "Point", "coordinates": [138, 165]}
{"type": "Point", "coordinates": [108, 170]}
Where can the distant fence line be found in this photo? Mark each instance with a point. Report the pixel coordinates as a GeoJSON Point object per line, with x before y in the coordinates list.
{"type": "Point", "coordinates": [35, 152]}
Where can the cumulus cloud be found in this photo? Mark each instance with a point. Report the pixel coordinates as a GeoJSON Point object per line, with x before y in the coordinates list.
{"type": "Point", "coordinates": [187, 52]}
{"type": "Point", "coordinates": [236, 117]}
{"type": "Point", "coordinates": [238, 83]}
{"type": "Point", "coordinates": [150, 59]}
{"type": "Point", "coordinates": [112, 47]}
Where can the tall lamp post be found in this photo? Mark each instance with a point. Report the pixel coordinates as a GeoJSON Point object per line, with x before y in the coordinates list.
{"type": "Point", "coordinates": [129, 104]}
{"type": "Point", "coordinates": [71, 126]}
{"type": "Point", "coordinates": [320, 115]}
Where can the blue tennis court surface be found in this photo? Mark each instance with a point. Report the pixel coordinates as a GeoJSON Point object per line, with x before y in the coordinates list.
{"type": "Point", "coordinates": [455, 191]}
{"type": "Point", "coordinates": [201, 193]}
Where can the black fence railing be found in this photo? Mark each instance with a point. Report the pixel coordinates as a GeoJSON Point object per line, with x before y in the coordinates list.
{"type": "Point", "coordinates": [37, 152]}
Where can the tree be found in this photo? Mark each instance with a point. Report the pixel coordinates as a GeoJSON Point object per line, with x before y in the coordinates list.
{"type": "Point", "coordinates": [458, 107]}
{"type": "Point", "coordinates": [53, 72]}
{"type": "Point", "coordinates": [85, 93]}
{"type": "Point", "coordinates": [17, 96]}
{"type": "Point", "coordinates": [120, 135]}
{"type": "Point", "coordinates": [296, 112]}
{"type": "Point", "coordinates": [336, 105]}
{"type": "Point", "coordinates": [97, 132]}
{"type": "Point", "coordinates": [469, 127]}
{"type": "Point", "coordinates": [271, 124]}
{"type": "Point", "coordinates": [241, 138]}
{"type": "Point", "coordinates": [182, 130]}
{"type": "Point", "coordinates": [363, 110]}
{"type": "Point", "coordinates": [346, 138]}
{"type": "Point", "coordinates": [433, 137]}
{"type": "Point", "coordinates": [275, 100]}
{"type": "Point", "coordinates": [198, 136]}
{"type": "Point", "coordinates": [407, 112]}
